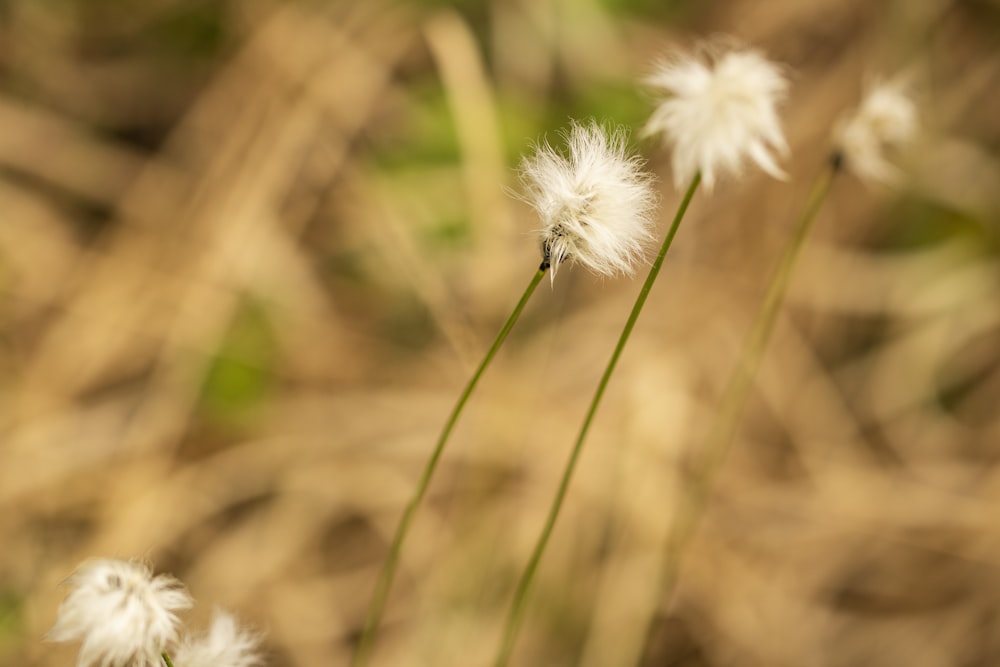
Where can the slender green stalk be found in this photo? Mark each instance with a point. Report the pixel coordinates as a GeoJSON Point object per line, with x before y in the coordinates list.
{"type": "Point", "coordinates": [516, 614]}
{"type": "Point", "coordinates": [388, 573]}
{"type": "Point", "coordinates": [166, 659]}
{"type": "Point", "coordinates": [738, 388]}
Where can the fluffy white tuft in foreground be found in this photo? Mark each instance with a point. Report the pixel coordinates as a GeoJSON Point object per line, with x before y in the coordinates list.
{"type": "Point", "coordinates": [122, 614]}
{"type": "Point", "coordinates": [225, 645]}
{"type": "Point", "coordinates": [719, 110]}
{"type": "Point", "coordinates": [595, 201]}
{"type": "Point", "coordinates": [885, 120]}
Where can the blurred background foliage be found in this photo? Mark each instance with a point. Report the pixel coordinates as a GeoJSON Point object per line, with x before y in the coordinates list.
{"type": "Point", "coordinates": [249, 252]}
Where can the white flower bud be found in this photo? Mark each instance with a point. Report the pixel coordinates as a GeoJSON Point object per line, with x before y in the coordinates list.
{"type": "Point", "coordinates": [225, 645]}
{"type": "Point", "coordinates": [885, 120]}
{"type": "Point", "coordinates": [122, 614]}
{"type": "Point", "coordinates": [720, 109]}
{"type": "Point", "coordinates": [595, 202]}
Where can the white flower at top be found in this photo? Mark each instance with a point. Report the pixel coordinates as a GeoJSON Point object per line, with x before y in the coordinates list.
{"type": "Point", "coordinates": [225, 645]}
{"type": "Point", "coordinates": [885, 120]}
{"type": "Point", "coordinates": [719, 110]}
{"type": "Point", "coordinates": [122, 614]}
{"type": "Point", "coordinates": [595, 201]}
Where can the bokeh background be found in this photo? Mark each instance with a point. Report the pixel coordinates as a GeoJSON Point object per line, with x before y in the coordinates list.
{"type": "Point", "coordinates": [251, 251]}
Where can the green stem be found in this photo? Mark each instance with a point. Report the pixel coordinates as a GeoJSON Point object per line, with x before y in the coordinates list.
{"type": "Point", "coordinates": [738, 388]}
{"type": "Point", "coordinates": [388, 573]}
{"type": "Point", "coordinates": [166, 659]}
{"type": "Point", "coordinates": [516, 615]}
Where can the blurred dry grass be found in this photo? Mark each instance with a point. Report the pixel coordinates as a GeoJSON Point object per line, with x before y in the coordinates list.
{"type": "Point", "coordinates": [249, 252]}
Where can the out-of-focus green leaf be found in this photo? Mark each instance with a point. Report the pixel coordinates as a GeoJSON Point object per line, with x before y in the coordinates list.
{"type": "Point", "coordinates": [11, 616]}
{"type": "Point", "coordinates": [427, 138]}
{"type": "Point", "coordinates": [241, 372]}
{"type": "Point", "coordinates": [916, 222]}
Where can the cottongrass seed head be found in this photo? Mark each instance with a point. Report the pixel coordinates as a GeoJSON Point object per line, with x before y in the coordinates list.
{"type": "Point", "coordinates": [595, 201]}
{"type": "Point", "coordinates": [226, 644]}
{"type": "Point", "coordinates": [122, 614]}
{"type": "Point", "coordinates": [719, 110]}
{"type": "Point", "coordinates": [885, 120]}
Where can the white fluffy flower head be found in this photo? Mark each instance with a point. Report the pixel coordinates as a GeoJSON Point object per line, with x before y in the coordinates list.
{"type": "Point", "coordinates": [885, 120]}
{"type": "Point", "coordinates": [226, 644]}
{"type": "Point", "coordinates": [719, 110]}
{"type": "Point", "coordinates": [595, 201]}
{"type": "Point", "coordinates": [122, 614]}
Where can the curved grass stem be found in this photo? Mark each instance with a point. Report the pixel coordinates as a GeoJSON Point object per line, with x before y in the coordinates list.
{"type": "Point", "coordinates": [388, 573]}
{"type": "Point", "coordinates": [516, 614]}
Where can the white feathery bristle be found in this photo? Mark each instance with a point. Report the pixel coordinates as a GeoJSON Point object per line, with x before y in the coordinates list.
{"type": "Point", "coordinates": [595, 201]}
{"type": "Point", "coordinates": [885, 120]}
{"type": "Point", "coordinates": [122, 614]}
{"type": "Point", "coordinates": [719, 109]}
{"type": "Point", "coordinates": [226, 644]}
